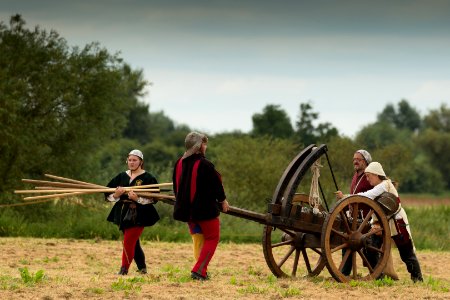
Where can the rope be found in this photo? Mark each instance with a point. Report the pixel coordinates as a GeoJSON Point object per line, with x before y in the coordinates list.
{"type": "Point", "coordinates": [314, 198]}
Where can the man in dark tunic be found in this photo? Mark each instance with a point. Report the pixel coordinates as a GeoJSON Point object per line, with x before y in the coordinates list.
{"type": "Point", "coordinates": [199, 193]}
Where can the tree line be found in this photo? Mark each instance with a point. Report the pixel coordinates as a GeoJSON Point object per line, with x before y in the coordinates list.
{"type": "Point", "coordinates": [76, 112]}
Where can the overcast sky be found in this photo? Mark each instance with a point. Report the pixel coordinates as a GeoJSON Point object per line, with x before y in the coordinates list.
{"type": "Point", "coordinates": [213, 64]}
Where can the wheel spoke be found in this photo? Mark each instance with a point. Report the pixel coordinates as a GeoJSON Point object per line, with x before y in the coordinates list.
{"type": "Point", "coordinates": [355, 216]}
{"type": "Point", "coordinates": [317, 251]}
{"type": "Point", "coordinates": [294, 267]}
{"type": "Point", "coordinates": [286, 257]}
{"type": "Point", "coordinates": [365, 260]}
{"type": "Point", "coordinates": [366, 220]}
{"type": "Point", "coordinates": [341, 234]}
{"type": "Point", "coordinates": [354, 266]}
{"type": "Point", "coordinates": [282, 244]}
{"type": "Point", "coordinates": [345, 258]}
{"type": "Point", "coordinates": [306, 259]}
{"type": "Point", "coordinates": [341, 246]}
{"type": "Point", "coordinates": [379, 250]}
{"type": "Point", "coordinates": [372, 232]}
{"type": "Point", "coordinates": [288, 232]}
{"type": "Point", "coordinates": [345, 220]}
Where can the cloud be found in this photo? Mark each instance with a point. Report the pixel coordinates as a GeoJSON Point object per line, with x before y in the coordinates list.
{"type": "Point", "coordinates": [220, 102]}
{"type": "Point", "coordinates": [431, 94]}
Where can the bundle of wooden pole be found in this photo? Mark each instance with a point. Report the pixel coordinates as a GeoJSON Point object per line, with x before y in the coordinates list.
{"type": "Point", "coordinates": [65, 187]}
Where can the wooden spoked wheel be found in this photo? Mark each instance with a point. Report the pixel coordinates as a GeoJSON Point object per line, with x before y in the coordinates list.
{"type": "Point", "coordinates": [349, 237]}
{"type": "Point", "coordinates": [291, 254]}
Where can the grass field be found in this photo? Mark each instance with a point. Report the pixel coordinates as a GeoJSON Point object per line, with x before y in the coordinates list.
{"type": "Point", "coordinates": [73, 269]}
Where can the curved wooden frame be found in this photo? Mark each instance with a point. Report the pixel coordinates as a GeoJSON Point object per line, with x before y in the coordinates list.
{"type": "Point", "coordinates": [296, 242]}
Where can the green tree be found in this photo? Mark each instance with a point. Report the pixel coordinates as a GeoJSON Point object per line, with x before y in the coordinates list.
{"type": "Point", "coordinates": [438, 119]}
{"type": "Point", "coordinates": [379, 135]}
{"type": "Point", "coordinates": [404, 117]}
{"type": "Point", "coordinates": [409, 167]}
{"type": "Point", "coordinates": [307, 133]}
{"type": "Point", "coordinates": [436, 145]}
{"type": "Point", "coordinates": [273, 122]}
{"type": "Point", "coordinates": [435, 140]}
{"type": "Point", "coordinates": [58, 105]}
{"type": "Point", "coordinates": [138, 125]}
{"type": "Point", "coordinates": [250, 167]}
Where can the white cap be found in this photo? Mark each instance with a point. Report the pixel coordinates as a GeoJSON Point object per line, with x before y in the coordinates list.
{"type": "Point", "coordinates": [375, 168]}
{"type": "Point", "coordinates": [137, 153]}
{"type": "Point", "coordinates": [366, 155]}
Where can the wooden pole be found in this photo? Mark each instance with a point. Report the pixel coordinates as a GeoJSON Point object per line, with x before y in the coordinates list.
{"type": "Point", "coordinates": [50, 188]}
{"type": "Point", "coordinates": [153, 195]}
{"type": "Point", "coordinates": [54, 196]}
{"type": "Point", "coordinates": [71, 180]}
{"type": "Point", "coordinates": [86, 191]}
{"type": "Point", "coordinates": [99, 186]}
{"type": "Point", "coordinates": [60, 184]}
{"type": "Point", "coordinates": [62, 195]}
{"type": "Point", "coordinates": [151, 185]}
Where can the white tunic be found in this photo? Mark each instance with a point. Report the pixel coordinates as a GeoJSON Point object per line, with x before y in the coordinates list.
{"type": "Point", "coordinates": [387, 186]}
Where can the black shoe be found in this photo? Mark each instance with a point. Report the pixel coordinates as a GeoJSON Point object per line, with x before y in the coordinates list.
{"type": "Point", "coordinates": [196, 276]}
{"type": "Point", "coordinates": [142, 271]}
{"type": "Point", "coordinates": [123, 271]}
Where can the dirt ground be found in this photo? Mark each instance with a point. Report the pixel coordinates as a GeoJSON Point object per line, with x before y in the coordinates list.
{"type": "Point", "coordinates": [76, 269]}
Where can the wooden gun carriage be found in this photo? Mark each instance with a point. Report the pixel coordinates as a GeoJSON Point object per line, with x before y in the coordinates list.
{"type": "Point", "coordinates": [294, 234]}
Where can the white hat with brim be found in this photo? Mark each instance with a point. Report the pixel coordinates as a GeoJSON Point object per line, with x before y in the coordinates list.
{"type": "Point", "coordinates": [375, 168]}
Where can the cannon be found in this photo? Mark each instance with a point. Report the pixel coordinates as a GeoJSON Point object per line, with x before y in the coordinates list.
{"type": "Point", "coordinates": [297, 236]}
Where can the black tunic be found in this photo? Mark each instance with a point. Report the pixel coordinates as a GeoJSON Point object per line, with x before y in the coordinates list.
{"type": "Point", "coordinates": [209, 190]}
{"type": "Point", "coordinates": [146, 215]}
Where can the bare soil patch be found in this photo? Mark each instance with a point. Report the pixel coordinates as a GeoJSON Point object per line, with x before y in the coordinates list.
{"type": "Point", "coordinates": [77, 269]}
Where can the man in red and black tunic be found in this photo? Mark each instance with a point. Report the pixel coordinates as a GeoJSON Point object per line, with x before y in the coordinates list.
{"type": "Point", "coordinates": [199, 193]}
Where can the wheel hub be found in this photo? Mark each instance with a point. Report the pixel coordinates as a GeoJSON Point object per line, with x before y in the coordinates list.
{"type": "Point", "coordinates": [297, 241]}
{"type": "Point", "coordinates": [355, 241]}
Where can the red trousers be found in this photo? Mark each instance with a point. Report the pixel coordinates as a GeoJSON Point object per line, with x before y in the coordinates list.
{"type": "Point", "coordinates": [130, 238]}
{"type": "Point", "coordinates": [211, 232]}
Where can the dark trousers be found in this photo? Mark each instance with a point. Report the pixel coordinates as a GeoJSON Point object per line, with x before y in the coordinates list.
{"type": "Point", "coordinates": [408, 256]}
{"type": "Point", "coordinates": [139, 256]}
{"type": "Point", "coordinates": [406, 250]}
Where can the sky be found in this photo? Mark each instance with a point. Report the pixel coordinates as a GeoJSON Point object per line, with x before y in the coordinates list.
{"type": "Point", "coordinates": [214, 64]}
